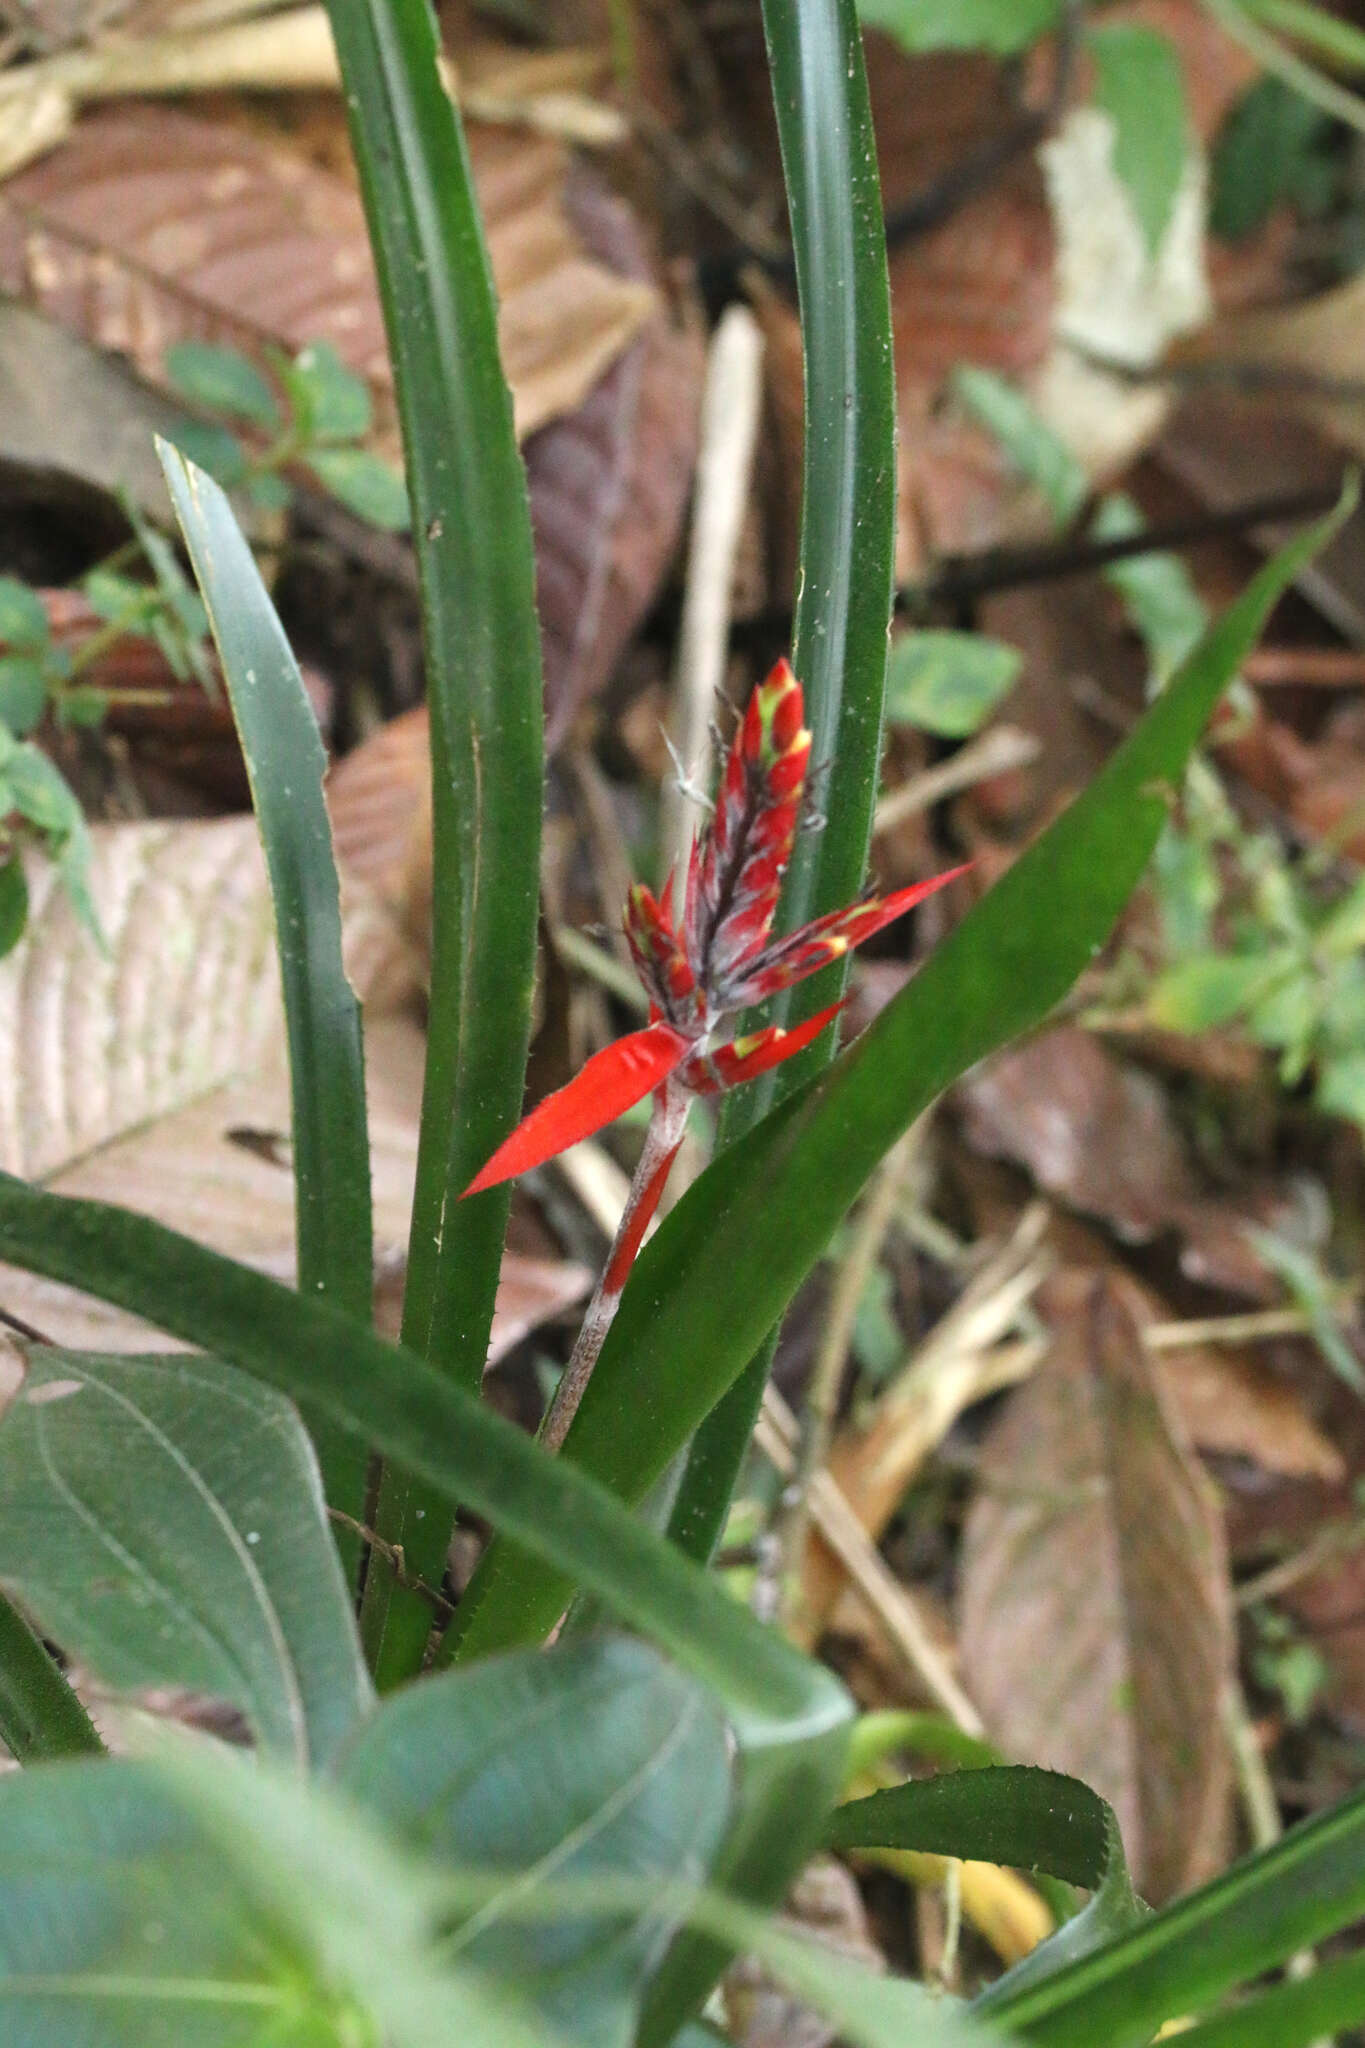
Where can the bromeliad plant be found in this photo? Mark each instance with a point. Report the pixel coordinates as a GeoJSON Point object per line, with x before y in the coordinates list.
{"type": "Point", "coordinates": [554, 1847]}
{"type": "Point", "coordinates": [720, 960]}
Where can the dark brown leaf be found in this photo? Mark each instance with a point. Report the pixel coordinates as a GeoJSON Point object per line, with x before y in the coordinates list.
{"type": "Point", "coordinates": [1096, 1628]}
{"type": "Point", "coordinates": [609, 481]}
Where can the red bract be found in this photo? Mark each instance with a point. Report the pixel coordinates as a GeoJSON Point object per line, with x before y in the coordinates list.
{"type": "Point", "coordinates": [720, 959]}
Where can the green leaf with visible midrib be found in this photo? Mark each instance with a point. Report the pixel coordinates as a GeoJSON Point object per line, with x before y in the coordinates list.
{"type": "Point", "coordinates": [732, 1253]}
{"type": "Point", "coordinates": [162, 1519]}
{"type": "Point", "coordinates": [595, 1758]}
{"type": "Point", "coordinates": [1013, 1814]}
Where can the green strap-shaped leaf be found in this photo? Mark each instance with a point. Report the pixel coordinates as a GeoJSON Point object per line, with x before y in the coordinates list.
{"type": "Point", "coordinates": [472, 531]}
{"type": "Point", "coordinates": [735, 1249]}
{"type": "Point", "coordinates": [1312, 2008]}
{"type": "Point", "coordinates": [40, 1717]}
{"type": "Point", "coordinates": [844, 574]}
{"type": "Point", "coordinates": [285, 762]}
{"type": "Point", "coordinates": [162, 1519]}
{"type": "Point", "coordinates": [1186, 1957]}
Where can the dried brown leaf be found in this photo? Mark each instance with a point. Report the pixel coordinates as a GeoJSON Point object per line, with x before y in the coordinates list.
{"type": "Point", "coordinates": [187, 995]}
{"type": "Point", "coordinates": [1099, 1134]}
{"type": "Point", "coordinates": [1095, 1615]}
{"type": "Point", "coordinates": [150, 227]}
{"type": "Point", "coordinates": [1227, 1401]}
{"type": "Point", "coordinates": [155, 1077]}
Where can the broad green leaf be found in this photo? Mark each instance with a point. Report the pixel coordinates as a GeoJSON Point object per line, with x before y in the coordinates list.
{"type": "Point", "coordinates": [331, 402]}
{"type": "Point", "coordinates": [1275, 145]}
{"type": "Point", "coordinates": [285, 763]}
{"type": "Point", "coordinates": [1340, 1088]}
{"type": "Point", "coordinates": [1139, 84]}
{"type": "Point", "coordinates": [221, 381]}
{"type": "Point", "coordinates": [790, 1717]}
{"type": "Point", "coordinates": [161, 1519]}
{"type": "Point", "coordinates": [364, 484]}
{"type": "Point", "coordinates": [23, 619]}
{"type": "Point", "coordinates": [595, 1758]}
{"type": "Point", "coordinates": [1002, 1813]}
{"type": "Point", "coordinates": [1309, 2009]}
{"type": "Point", "coordinates": [1002, 26]}
{"type": "Point", "coordinates": [1179, 1961]}
{"type": "Point", "coordinates": [269, 491]}
{"type": "Point", "coordinates": [1213, 988]}
{"type": "Point", "coordinates": [842, 604]}
{"type": "Point", "coordinates": [13, 903]}
{"type": "Point", "coordinates": [35, 787]}
{"type": "Point", "coordinates": [23, 693]}
{"type": "Point", "coordinates": [1031, 1819]}
{"type": "Point", "coordinates": [201, 1902]}
{"type": "Point", "coordinates": [733, 1251]}
{"type": "Point", "coordinates": [113, 595]}
{"type": "Point", "coordinates": [1343, 929]}
{"type": "Point", "coordinates": [211, 448]}
{"type": "Point", "coordinates": [1040, 455]}
{"type": "Point", "coordinates": [472, 533]}
{"type": "Point", "coordinates": [40, 1716]}
{"type": "Point", "coordinates": [948, 683]}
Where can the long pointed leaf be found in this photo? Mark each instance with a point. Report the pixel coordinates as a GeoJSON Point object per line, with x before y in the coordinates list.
{"type": "Point", "coordinates": [285, 763]}
{"type": "Point", "coordinates": [40, 1716]}
{"type": "Point", "coordinates": [472, 531]}
{"type": "Point", "coordinates": [844, 575]}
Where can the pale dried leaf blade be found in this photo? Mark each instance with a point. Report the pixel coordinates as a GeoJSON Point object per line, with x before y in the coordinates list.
{"type": "Point", "coordinates": [150, 227]}
{"type": "Point", "coordinates": [1095, 1610]}
{"type": "Point", "coordinates": [92, 1044]}
{"type": "Point", "coordinates": [219, 1169]}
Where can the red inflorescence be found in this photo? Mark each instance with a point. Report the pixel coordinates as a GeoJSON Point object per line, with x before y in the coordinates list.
{"type": "Point", "coordinates": [722, 959]}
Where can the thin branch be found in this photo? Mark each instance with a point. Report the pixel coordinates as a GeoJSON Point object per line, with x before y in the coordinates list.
{"type": "Point", "coordinates": [961, 578]}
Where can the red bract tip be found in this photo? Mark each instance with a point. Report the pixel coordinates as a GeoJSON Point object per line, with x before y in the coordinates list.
{"type": "Point", "coordinates": [742, 856]}
{"type": "Point", "coordinates": [827, 938]}
{"type": "Point", "coordinates": [744, 1059]}
{"type": "Point", "coordinates": [613, 1081]}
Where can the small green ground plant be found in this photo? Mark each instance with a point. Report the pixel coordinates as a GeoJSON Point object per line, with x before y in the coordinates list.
{"type": "Point", "coordinates": [252, 437]}
{"type": "Point", "coordinates": [432, 1845]}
